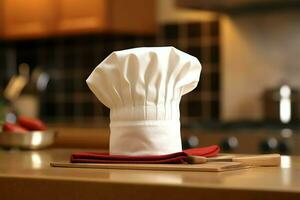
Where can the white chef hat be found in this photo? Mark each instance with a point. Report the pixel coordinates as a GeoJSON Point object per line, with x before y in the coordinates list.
{"type": "Point", "coordinates": [143, 87]}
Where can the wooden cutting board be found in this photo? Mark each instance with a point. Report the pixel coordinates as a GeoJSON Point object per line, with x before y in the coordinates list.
{"type": "Point", "coordinates": [206, 167]}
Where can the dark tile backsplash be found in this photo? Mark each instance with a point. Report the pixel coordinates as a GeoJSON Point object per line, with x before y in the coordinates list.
{"type": "Point", "coordinates": [171, 31]}
{"type": "Point", "coordinates": [70, 60]}
{"type": "Point", "coordinates": [194, 30]}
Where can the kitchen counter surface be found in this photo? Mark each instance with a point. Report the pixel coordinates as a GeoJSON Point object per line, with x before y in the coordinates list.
{"type": "Point", "coordinates": [28, 175]}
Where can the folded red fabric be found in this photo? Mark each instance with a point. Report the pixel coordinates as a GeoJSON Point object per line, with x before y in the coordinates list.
{"type": "Point", "coordinates": [179, 157]}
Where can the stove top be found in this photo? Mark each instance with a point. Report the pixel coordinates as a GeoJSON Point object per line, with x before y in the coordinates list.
{"type": "Point", "coordinates": [249, 125]}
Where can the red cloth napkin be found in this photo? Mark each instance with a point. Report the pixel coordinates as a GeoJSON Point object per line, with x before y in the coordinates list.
{"type": "Point", "coordinates": [179, 157]}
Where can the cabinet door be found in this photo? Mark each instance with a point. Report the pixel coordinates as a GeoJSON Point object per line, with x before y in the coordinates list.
{"type": "Point", "coordinates": [82, 16]}
{"type": "Point", "coordinates": [133, 16]}
{"type": "Point", "coordinates": [114, 16]}
{"type": "Point", "coordinates": [27, 18]}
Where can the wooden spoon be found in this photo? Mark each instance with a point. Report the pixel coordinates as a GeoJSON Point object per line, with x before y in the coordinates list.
{"type": "Point", "coordinates": [253, 160]}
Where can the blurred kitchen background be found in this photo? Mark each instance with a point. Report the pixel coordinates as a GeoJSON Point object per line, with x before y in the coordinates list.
{"type": "Point", "coordinates": [247, 100]}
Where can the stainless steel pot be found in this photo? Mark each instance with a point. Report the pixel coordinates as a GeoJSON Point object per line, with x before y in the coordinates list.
{"type": "Point", "coordinates": [30, 140]}
{"type": "Point", "coordinates": [281, 104]}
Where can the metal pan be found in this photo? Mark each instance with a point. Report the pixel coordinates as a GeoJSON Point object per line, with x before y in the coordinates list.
{"type": "Point", "coordinates": [29, 140]}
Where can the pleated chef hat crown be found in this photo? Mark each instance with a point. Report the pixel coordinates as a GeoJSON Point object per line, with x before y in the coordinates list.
{"type": "Point", "coordinates": [143, 87]}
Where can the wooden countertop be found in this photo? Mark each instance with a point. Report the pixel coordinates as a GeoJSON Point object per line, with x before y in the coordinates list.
{"type": "Point", "coordinates": [28, 175]}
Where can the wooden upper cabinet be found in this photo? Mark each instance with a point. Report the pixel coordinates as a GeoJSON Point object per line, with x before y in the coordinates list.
{"type": "Point", "coordinates": [27, 19]}
{"type": "Point", "coordinates": [40, 18]}
{"type": "Point", "coordinates": [122, 16]}
{"type": "Point", "coordinates": [133, 16]}
{"type": "Point", "coordinates": [77, 16]}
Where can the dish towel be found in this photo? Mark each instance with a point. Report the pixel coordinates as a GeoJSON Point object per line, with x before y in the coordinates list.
{"type": "Point", "coordinates": [173, 158]}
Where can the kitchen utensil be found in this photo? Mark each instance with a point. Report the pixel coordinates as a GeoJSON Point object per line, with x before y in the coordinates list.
{"type": "Point", "coordinates": [39, 79]}
{"type": "Point", "coordinates": [253, 160]}
{"type": "Point", "coordinates": [17, 83]}
{"type": "Point", "coordinates": [28, 102]}
{"type": "Point", "coordinates": [206, 167]}
{"type": "Point", "coordinates": [27, 105]}
{"type": "Point", "coordinates": [24, 69]}
{"type": "Point", "coordinates": [14, 87]}
{"type": "Point", "coordinates": [29, 140]}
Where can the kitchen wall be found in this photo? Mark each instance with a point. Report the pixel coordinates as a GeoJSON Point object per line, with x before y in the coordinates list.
{"type": "Point", "coordinates": [208, 90]}
{"type": "Point", "coordinates": [258, 51]}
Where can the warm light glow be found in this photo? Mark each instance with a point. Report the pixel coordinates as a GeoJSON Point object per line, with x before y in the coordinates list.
{"type": "Point", "coordinates": [272, 142]}
{"type": "Point", "coordinates": [193, 141]}
{"type": "Point", "coordinates": [151, 177]}
{"type": "Point", "coordinates": [36, 160]}
{"type": "Point", "coordinates": [285, 91]}
{"type": "Point", "coordinates": [285, 104]}
{"type": "Point", "coordinates": [286, 174]}
{"type": "Point", "coordinates": [233, 142]}
{"type": "Point", "coordinates": [36, 139]}
{"type": "Point", "coordinates": [285, 162]}
{"type": "Point", "coordinates": [286, 133]}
